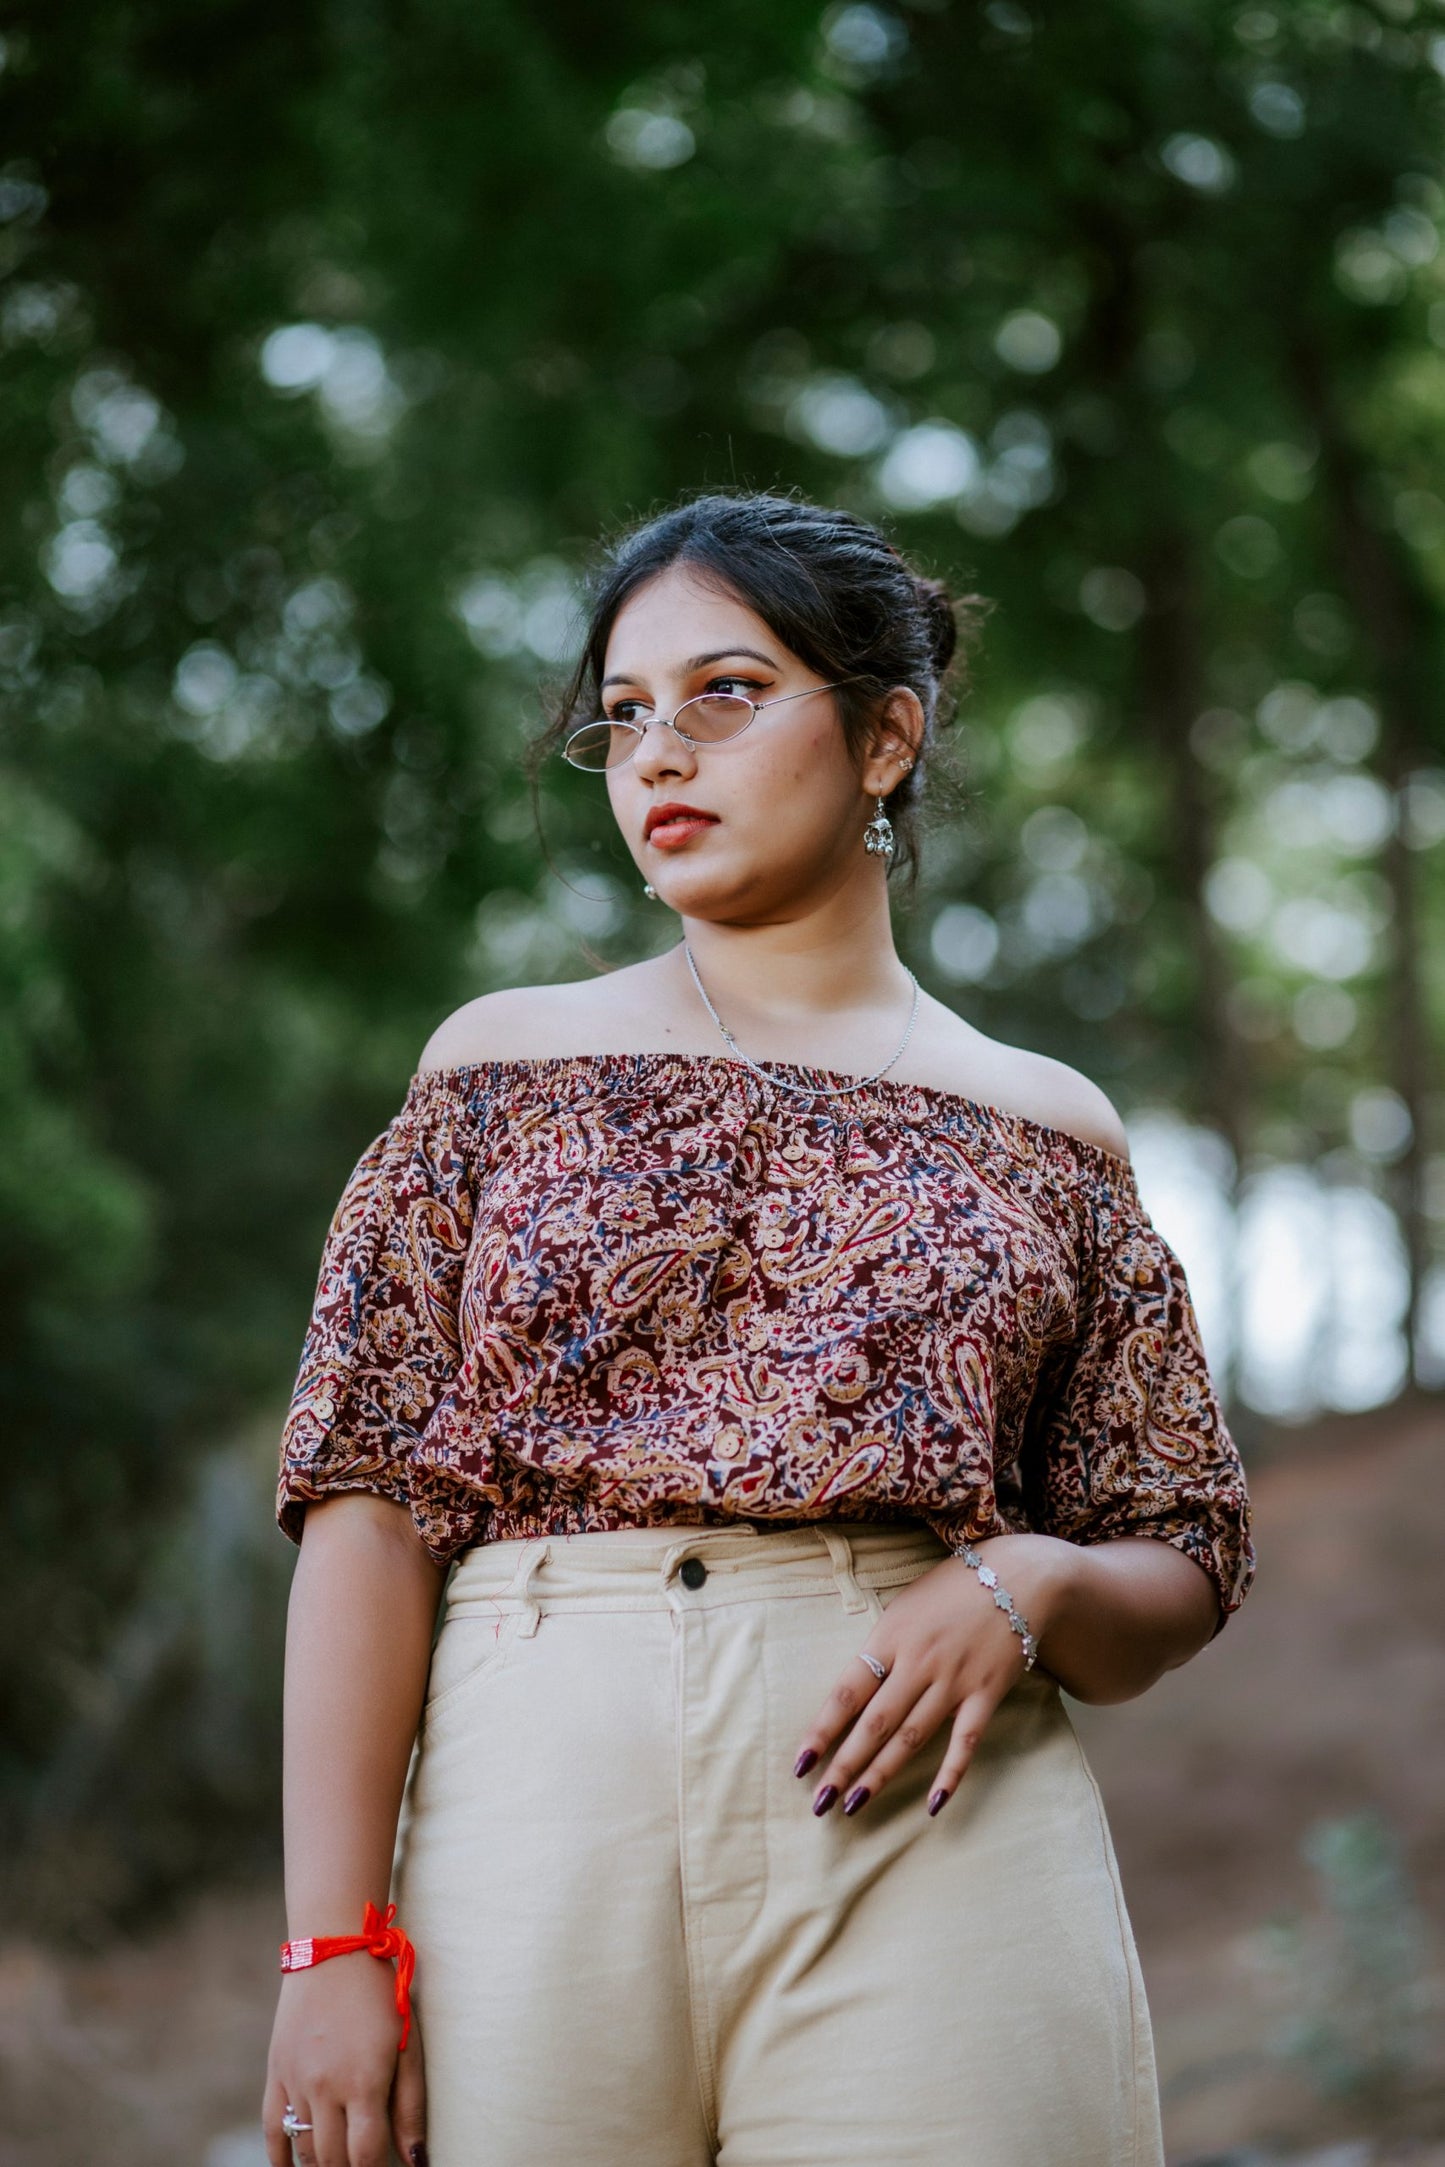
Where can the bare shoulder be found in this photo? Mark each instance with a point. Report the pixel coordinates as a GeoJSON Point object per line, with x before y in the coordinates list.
{"type": "Point", "coordinates": [1021, 1081]}
{"type": "Point", "coordinates": [502, 1026]}
{"type": "Point", "coordinates": [525, 1023]}
{"type": "Point", "coordinates": [1075, 1102]}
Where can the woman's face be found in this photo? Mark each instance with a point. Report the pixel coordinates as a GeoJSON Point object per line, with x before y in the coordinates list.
{"type": "Point", "coordinates": [786, 806]}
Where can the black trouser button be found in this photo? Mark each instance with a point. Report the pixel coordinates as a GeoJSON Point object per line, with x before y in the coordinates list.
{"type": "Point", "coordinates": [694, 1572]}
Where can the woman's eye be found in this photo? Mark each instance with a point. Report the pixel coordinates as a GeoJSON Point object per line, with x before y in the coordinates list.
{"type": "Point", "coordinates": [624, 711]}
{"type": "Point", "coordinates": [734, 684]}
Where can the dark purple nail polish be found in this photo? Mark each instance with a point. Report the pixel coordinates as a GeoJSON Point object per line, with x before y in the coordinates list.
{"type": "Point", "coordinates": [825, 1798]}
{"type": "Point", "coordinates": [417, 2156]}
{"type": "Point", "coordinates": [804, 1761]}
{"type": "Point", "coordinates": [858, 1796]}
{"type": "Point", "coordinates": [936, 1801]}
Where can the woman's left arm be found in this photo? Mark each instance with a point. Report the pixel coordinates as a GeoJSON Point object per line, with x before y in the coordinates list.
{"type": "Point", "coordinates": [1108, 1618]}
{"type": "Point", "coordinates": [1118, 1614]}
{"type": "Point", "coordinates": [1139, 1538]}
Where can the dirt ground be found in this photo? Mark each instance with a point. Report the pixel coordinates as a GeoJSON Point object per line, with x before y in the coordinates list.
{"type": "Point", "coordinates": [1319, 1711]}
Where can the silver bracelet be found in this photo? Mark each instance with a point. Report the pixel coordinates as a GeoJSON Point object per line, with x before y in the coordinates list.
{"type": "Point", "coordinates": [1004, 1600]}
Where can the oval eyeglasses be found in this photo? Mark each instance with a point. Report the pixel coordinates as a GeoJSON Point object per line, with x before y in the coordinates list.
{"type": "Point", "coordinates": [713, 718]}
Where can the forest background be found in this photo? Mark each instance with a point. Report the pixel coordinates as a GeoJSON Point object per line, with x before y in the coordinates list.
{"type": "Point", "coordinates": [332, 336]}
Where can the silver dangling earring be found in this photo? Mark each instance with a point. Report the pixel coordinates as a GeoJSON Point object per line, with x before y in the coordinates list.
{"type": "Point", "coordinates": [649, 891]}
{"type": "Point", "coordinates": [878, 835]}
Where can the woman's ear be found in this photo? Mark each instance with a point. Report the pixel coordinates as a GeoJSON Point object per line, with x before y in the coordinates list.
{"type": "Point", "coordinates": [894, 745]}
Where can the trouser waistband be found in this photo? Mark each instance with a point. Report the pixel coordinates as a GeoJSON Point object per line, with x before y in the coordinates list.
{"type": "Point", "coordinates": [643, 1568]}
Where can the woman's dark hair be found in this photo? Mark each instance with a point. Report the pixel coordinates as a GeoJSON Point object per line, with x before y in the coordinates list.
{"type": "Point", "coordinates": [836, 592]}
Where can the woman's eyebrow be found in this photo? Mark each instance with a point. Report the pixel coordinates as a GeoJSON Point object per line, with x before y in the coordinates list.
{"type": "Point", "coordinates": [698, 662]}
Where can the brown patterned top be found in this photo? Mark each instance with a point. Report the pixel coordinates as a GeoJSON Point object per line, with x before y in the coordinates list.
{"type": "Point", "coordinates": [612, 1290]}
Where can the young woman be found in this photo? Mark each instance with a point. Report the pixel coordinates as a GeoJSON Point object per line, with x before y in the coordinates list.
{"type": "Point", "coordinates": [802, 1397]}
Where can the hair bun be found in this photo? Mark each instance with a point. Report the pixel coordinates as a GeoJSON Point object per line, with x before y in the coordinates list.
{"type": "Point", "coordinates": [937, 605]}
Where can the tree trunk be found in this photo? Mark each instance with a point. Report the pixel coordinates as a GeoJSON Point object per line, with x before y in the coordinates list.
{"type": "Point", "coordinates": [1394, 624]}
{"type": "Point", "coordinates": [1172, 693]}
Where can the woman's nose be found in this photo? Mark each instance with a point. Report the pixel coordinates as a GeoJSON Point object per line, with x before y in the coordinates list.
{"type": "Point", "coordinates": [662, 752]}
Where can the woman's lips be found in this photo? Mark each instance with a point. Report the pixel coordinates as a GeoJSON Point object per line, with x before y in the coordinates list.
{"type": "Point", "coordinates": [668, 834]}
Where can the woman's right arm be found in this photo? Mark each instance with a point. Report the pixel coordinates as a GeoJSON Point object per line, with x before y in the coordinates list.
{"type": "Point", "coordinates": [358, 1645]}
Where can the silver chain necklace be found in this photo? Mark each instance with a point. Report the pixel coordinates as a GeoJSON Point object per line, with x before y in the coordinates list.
{"type": "Point", "coordinates": [787, 1083]}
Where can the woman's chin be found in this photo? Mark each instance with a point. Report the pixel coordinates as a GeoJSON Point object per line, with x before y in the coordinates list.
{"type": "Point", "coordinates": [704, 891]}
{"type": "Point", "coordinates": [749, 905]}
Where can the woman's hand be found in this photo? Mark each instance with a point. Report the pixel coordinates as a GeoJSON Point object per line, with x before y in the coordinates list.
{"type": "Point", "coordinates": [334, 2061]}
{"type": "Point", "coordinates": [950, 1652]}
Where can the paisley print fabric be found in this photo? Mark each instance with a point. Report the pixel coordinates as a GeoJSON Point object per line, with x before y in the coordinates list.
{"type": "Point", "coordinates": [621, 1290]}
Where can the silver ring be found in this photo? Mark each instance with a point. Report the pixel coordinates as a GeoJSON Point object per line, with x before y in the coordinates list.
{"type": "Point", "coordinates": [292, 2123]}
{"type": "Point", "coordinates": [879, 1670]}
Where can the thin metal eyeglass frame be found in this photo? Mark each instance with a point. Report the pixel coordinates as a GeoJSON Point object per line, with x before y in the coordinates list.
{"type": "Point", "coordinates": [641, 729]}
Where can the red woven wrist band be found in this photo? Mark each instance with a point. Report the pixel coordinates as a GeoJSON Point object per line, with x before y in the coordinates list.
{"type": "Point", "coordinates": [380, 1938]}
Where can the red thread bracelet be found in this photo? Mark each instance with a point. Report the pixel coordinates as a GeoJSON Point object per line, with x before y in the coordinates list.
{"type": "Point", "coordinates": [380, 1938]}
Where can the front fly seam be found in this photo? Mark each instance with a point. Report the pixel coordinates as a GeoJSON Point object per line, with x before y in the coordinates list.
{"type": "Point", "coordinates": [699, 2014]}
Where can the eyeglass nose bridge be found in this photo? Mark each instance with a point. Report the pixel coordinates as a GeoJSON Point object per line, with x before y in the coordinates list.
{"type": "Point", "coordinates": [670, 723]}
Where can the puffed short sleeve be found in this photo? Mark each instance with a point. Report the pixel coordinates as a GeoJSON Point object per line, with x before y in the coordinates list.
{"type": "Point", "coordinates": [381, 1347]}
{"type": "Point", "coordinates": [1128, 1437]}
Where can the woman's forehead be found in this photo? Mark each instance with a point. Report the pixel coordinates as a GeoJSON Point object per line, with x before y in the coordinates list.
{"type": "Point", "coordinates": [676, 617]}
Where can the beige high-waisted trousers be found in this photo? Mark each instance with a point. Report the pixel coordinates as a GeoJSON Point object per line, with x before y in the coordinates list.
{"type": "Point", "coordinates": [637, 1946]}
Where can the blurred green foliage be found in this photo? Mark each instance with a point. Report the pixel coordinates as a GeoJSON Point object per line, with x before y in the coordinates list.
{"type": "Point", "coordinates": [1360, 1968]}
{"type": "Point", "coordinates": [331, 336]}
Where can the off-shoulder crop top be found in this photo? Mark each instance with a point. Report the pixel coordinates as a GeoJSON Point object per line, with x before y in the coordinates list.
{"type": "Point", "coordinates": [615, 1290]}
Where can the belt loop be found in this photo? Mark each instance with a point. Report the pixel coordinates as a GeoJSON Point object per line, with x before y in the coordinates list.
{"type": "Point", "coordinates": [840, 1550]}
{"type": "Point", "coordinates": [522, 1586]}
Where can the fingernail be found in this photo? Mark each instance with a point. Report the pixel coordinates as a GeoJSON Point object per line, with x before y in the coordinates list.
{"type": "Point", "coordinates": [858, 1796]}
{"type": "Point", "coordinates": [417, 2156]}
{"type": "Point", "coordinates": [804, 1761]}
{"type": "Point", "coordinates": [825, 1798]}
{"type": "Point", "coordinates": [936, 1801]}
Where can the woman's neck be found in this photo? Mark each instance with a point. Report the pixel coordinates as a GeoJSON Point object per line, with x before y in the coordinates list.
{"type": "Point", "coordinates": [832, 970]}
